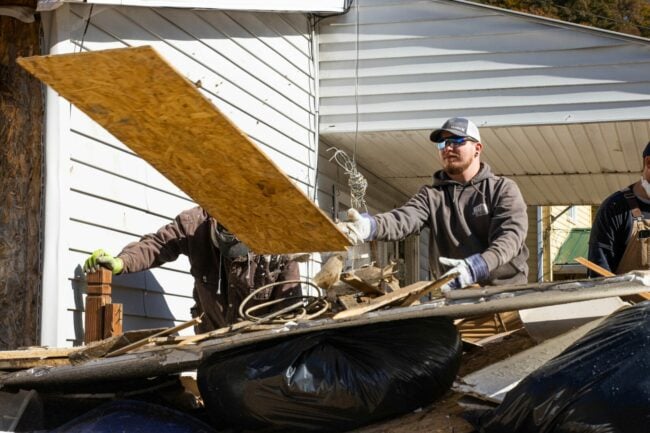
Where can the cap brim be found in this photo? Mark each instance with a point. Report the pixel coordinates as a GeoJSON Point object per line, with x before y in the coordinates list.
{"type": "Point", "coordinates": [436, 136]}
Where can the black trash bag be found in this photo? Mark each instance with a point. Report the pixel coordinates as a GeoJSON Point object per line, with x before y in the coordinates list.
{"type": "Point", "coordinates": [600, 384]}
{"type": "Point", "coordinates": [134, 416]}
{"type": "Point", "coordinates": [332, 380]}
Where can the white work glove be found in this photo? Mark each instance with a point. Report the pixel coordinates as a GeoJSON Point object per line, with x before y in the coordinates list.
{"type": "Point", "coordinates": [469, 270]}
{"type": "Point", "coordinates": [359, 227]}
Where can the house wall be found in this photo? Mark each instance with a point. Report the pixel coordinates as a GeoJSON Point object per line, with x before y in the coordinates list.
{"type": "Point", "coordinates": [411, 64]}
{"type": "Point", "coordinates": [257, 68]}
{"type": "Point", "coordinates": [532, 244]}
{"type": "Point", "coordinates": [564, 223]}
{"type": "Point", "coordinates": [557, 227]}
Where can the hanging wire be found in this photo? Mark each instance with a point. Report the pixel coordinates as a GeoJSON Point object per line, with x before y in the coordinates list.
{"type": "Point", "coordinates": [83, 36]}
{"type": "Point", "coordinates": [356, 181]}
{"type": "Point", "coordinates": [356, 85]}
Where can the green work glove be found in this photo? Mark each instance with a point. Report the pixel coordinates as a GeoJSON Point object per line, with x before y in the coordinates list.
{"type": "Point", "coordinates": [101, 258]}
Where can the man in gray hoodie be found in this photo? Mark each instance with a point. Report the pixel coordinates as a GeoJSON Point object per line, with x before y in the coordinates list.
{"type": "Point", "coordinates": [478, 220]}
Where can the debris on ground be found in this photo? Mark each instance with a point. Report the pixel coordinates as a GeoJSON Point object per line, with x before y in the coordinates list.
{"type": "Point", "coordinates": [598, 384]}
{"type": "Point", "coordinates": [146, 365]}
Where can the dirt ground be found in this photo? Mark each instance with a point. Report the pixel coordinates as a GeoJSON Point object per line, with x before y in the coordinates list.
{"type": "Point", "coordinates": [444, 416]}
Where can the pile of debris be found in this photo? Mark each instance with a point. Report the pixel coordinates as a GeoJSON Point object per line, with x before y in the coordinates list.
{"type": "Point", "coordinates": [371, 329]}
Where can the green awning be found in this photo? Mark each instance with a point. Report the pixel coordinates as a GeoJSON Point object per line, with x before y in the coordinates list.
{"type": "Point", "coordinates": [575, 245]}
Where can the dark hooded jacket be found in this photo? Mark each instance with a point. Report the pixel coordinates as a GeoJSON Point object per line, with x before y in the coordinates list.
{"type": "Point", "coordinates": [486, 216]}
{"type": "Point", "coordinates": [220, 283]}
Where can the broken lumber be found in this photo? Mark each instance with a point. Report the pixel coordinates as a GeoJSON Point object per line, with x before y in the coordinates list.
{"type": "Point", "coordinates": [640, 297]}
{"type": "Point", "coordinates": [397, 295]}
{"type": "Point", "coordinates": [102, 319]}
{"type": "Point", "coordinates": [150, 338]}
{"type": "Point", "coordinates": [351, 301]}
{"type": "Point", "coordinates": [94, 317]}
{"type": "Point", "coordinates": [34, 357]}
{"type": "Point", "coordinates": [361, 285]}
{"type": "Point", "coordinates": [329, 273]}
{"type": "Point", "coordinates": [98, 349]}
{"type": "Point", "coordinates": [158, 360]}
{"type": "Point", "coordinates": [594, 267]}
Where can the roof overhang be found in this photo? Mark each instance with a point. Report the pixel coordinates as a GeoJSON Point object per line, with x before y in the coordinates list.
{"type": "Point", "coordinates": [563, 109]}
{"type": "Point", "coordinates": [310, 6]}
{"type": "Point", "coordinates": [559, 164]}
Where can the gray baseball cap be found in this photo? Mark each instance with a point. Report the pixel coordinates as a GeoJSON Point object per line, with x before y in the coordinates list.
{"type": "Point", "coordinates": [459, 126]}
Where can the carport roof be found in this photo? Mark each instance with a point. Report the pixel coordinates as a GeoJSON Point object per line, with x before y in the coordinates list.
{"type": "Point", "coordinates": [563, 109]}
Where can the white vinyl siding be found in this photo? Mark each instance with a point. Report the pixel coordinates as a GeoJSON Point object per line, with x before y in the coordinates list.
{"type": "Point", "coordinates": [419, 63]}
{"type": "Point", "coordinates": [256, 67]}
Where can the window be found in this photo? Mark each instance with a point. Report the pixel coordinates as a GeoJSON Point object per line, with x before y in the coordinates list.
{"type": "Point", "coordinates": [573, 214]}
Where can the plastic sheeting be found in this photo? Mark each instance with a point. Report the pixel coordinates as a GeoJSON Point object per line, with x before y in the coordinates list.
{"type": "Point", "coordinates": [332, 380]}
{"type": "Point", "coordinates": [134, 417]}
{"type": "Point", "coordinates": [600, 384]}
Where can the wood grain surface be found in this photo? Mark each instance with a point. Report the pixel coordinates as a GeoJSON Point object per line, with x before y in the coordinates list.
{"type": "Point", "coordinates": [21, 186]}
{"type": "Point", "coordinates": [144, 102]}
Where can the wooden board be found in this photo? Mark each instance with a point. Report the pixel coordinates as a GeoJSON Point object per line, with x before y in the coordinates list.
{"type": "Point", "coordinates": [37, 353]}
{"type": "Point", "coordinates": [34, 357]}
{"type": "Point", "coordinates": [140, 99]}
{"type": "Point", "coordinates": [639, 297]}
{"type": "Point", "coordinates": [594, 267]}
{"type": "Point", "coordinates": [361, 285]}
{"type": "Point", "coordinates": [389, 298]}
{"type": "Point", "coordinates": [94, 317]}
{"type": "Point", "coordinates": [113, 318]}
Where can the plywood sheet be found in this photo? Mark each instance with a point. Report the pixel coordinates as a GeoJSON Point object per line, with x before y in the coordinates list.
{"type": "Point", "coordinates": [140, 99]}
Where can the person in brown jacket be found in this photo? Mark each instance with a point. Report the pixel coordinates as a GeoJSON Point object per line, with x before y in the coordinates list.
{"type": "Point", "coordinates": [478, 221]}
{"type": "Point", "coordinates": [224, 270]}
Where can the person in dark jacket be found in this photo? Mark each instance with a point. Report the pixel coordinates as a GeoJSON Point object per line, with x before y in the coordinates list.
{"type": "Point", "coordinates": [478, 220]}
{"type": "Point", "coordinates": [225, 272]}
{"type": "Point", "coordinates": [620, 234]}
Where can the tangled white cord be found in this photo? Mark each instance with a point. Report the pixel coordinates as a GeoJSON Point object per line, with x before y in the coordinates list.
{"type": "Point", "coordinates": [356, 181]}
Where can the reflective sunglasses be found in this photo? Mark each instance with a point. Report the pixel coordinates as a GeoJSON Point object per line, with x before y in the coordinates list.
{"type": "Point", "coordinates": [453, 142]}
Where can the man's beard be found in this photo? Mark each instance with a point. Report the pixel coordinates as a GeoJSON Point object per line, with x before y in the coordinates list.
{"type": "Point", "coordinates": [457, 166]}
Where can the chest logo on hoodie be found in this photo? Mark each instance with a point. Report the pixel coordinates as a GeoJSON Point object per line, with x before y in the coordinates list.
{"type": "Point", "coordinates": [480, 210]}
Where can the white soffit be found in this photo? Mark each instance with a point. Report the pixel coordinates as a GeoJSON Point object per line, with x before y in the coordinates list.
{"type": "Point", "coordinates": [552, 164]}
{"type": "Point", "coordinates": [314, 6]}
